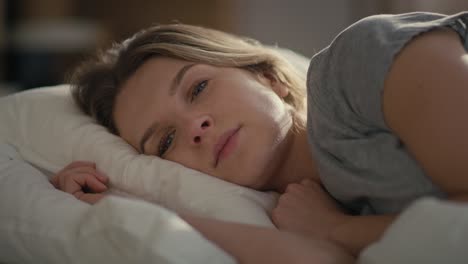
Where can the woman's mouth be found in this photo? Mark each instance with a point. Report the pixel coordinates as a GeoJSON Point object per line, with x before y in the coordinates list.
{"type": "Point", "coordinates": [226, 145]}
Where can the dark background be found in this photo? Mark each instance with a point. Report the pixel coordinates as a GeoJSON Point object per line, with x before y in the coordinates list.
{"type": "Point", "coordinates": [42, 40]}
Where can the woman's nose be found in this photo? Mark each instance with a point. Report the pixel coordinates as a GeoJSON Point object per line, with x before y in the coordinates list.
{"type": "Point", "coordinates": [199, 127]}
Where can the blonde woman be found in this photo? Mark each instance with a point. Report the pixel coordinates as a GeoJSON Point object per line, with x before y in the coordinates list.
{"type": "Point", "coordinates": [384, 124]}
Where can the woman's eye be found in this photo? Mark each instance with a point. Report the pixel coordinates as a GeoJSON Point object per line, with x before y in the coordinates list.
{"type": "Point", "coordinates": [198, 89]}
{"type": "Point", "coordinates": [165, 143]}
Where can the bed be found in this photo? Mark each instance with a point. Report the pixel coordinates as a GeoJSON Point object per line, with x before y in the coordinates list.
{"type": "Point", "coordinates": [41, 131]}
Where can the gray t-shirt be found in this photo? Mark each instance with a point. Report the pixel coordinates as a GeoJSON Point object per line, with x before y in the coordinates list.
{"type": "Point", "coordinates": [361, 162]}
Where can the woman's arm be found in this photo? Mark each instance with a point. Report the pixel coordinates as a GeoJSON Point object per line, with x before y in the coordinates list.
{"type": "Point", "coordinates": [308, 210]}
{"type": "Point", "coordinates": [252, 244]}
{"type": "Point", "coordinates": [357, 232]}
{"type": "Point", "coordinates": [425, 102]}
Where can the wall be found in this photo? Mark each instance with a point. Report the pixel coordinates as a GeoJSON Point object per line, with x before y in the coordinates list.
{"type": "Point", "coordinates": [305, 26]}
{"type": "Point", "coordinates": [309, 25]}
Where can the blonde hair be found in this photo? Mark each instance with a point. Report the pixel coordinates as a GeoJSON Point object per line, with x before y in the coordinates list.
{"type": "Point", "coordinates": [96, 83]}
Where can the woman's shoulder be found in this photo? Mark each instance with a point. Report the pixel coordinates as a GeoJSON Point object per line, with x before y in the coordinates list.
{"type": "Point", "coordinates": [346, 79]}
{"type": "Point", "coordinates": [384, 29]}
{"type": "Point", "coordinates": [387, 23]}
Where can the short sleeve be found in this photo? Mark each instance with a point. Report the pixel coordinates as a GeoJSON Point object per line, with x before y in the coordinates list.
{"type": "Point", "coordinates": [347, 78]}
{"type": "Point", "coordinates": [360, 161]}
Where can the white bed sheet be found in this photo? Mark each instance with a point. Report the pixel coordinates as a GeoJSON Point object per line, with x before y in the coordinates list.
{"type": "Point", "coordinates": [430, 231]}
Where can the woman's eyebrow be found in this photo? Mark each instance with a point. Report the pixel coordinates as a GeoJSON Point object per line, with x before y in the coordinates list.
{"type": "Point", "coordinates": [178, 78]}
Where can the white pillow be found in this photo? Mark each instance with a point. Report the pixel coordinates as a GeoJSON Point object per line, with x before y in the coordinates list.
{"type": "Point", "coordinates": [50, 132]}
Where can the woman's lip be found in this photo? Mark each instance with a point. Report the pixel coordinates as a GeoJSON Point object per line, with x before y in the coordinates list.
{"type": "Point", "coordinates": [225, 145]}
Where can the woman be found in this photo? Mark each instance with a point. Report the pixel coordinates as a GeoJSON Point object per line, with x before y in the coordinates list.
{"type": "Point", "coordinates": [385, 121]}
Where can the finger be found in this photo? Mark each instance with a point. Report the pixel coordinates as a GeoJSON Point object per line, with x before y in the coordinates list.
{"type": "Point", "coordinates": [86, 170]}
{"type": "Point", "coordinates": [293, 187]}
{"type": "Point", "coordinates": [78, 175]}
{"type": "Point", "coordinates": [296, 190]}
{"type": "Point", "coordinates": [76, 164]}
{"type": "Point", "coordinates": [90, 198]}
{"type": "Point", "coordinates": [312, 185]}
{"type": "Point", "coordinates": [69, 181]}
{"type": "Point", "coordinates": [102, 176]}
{"type": "Point", "coordinates": [55, 181]}
{"type": "Point", "coordinates": [71, 184]}
{"type": "Point", "coordinates": [289, 200]}
{"type": "Point", "coordinates": [73, 165]}
{"type": "Point", "coordinates": [94, 184]}
{"type": "Point", "coordinates": [277, 217]}
{"type": "Point", "coordinates": [308, 182]}
{"type": "Point", "coordinates": [80, 181]}
{"type": "Point", "coordinates": [90, 170]}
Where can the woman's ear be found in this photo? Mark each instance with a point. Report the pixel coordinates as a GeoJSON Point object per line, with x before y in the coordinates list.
{"type": "Point", "coordinates": [276, 85]}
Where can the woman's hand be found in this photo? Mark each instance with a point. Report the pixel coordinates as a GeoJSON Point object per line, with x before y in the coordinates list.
{"type": "Point", "coordinates": [83, 180]}
{"type": "Point", "coordinates": [307, 209]}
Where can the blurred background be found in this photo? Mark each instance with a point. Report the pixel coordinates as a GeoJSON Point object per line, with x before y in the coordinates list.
{"type": "Point", "coordinates": [42, 40]}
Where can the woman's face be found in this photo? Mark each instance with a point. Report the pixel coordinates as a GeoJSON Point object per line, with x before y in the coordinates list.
{"type": "Point", "coordinates": [225, 122]}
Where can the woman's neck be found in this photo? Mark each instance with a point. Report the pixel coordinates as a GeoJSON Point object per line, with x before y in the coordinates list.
{"type": "Point", "coordinates": [298, 163]}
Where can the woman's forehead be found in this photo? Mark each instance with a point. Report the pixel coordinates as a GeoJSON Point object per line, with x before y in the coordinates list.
{"type": "Point", "coordinates": [140, 91]}
{"type": "Point", "coordinates": [154, 73]}
{"type": "Point", "coordinates": [161, 66]}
